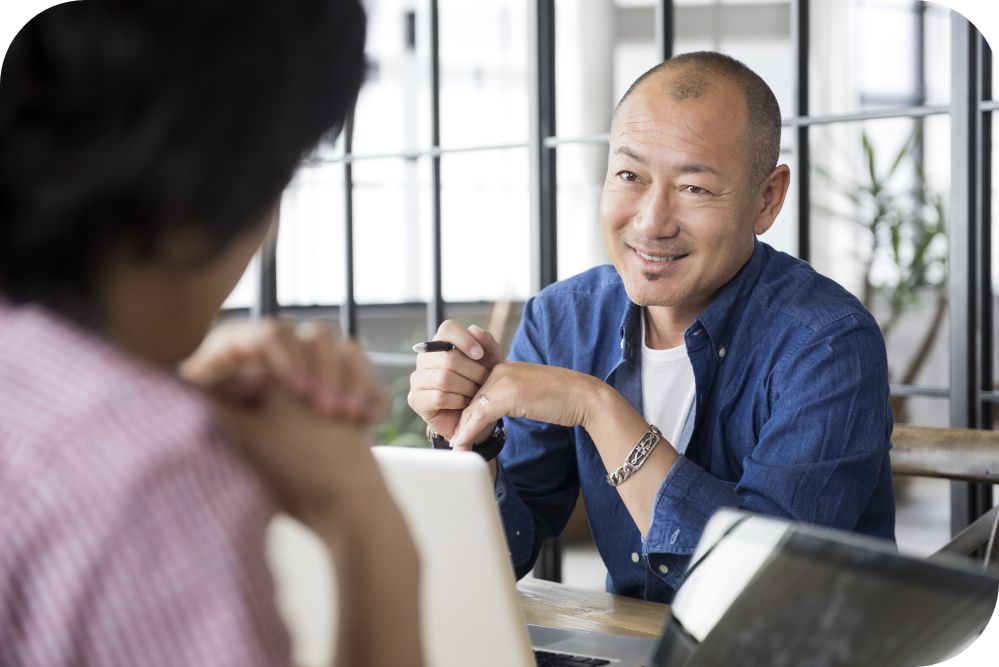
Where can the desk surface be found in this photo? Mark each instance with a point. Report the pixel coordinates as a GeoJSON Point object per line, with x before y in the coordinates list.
{"type": "Point", "coordinates": [561, 606]}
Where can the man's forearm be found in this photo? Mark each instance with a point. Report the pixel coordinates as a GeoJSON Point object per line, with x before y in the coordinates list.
{"type": "Point", "coordinates": [615, 428]}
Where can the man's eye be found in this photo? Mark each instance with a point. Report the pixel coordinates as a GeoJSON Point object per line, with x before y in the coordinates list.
{"type": "Point", "coordinates": [629, 176]}
{"type": "Point", "coordinates": [694, 190]}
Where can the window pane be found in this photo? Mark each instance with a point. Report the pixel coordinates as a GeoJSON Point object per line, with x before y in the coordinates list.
{"type": "Point", "coordinates": [581, 171]}
{"type": "Point", "coordinates": [391, 230]}
{"type": "Point", "coordinates": [311, 256]}
{"type": "Point", "coordinates": [393, 109]}
{"type": "Point", "coordinates": [599, 49]}
{"type": "Point", "coordinates": [880, 231]}
{"type": "Point", "coordinates": [868, 54]}
{"type": "Point", "coordinates": [757, 33]}
{"type": "Point", "coordinates": [485, 225]}
{"type": "Point", "coordinates": [783, 234]}
{"type": "Point", "coordinates": [483, 72]}
{"type": "Point", "coordinates": [603, 46]}
{"type": "Point", "coordinates": [995, 78]}
{"type": "Point", "coordinates": [402, 426]}
{"type": "Point", "coordinates": [244, 295]}
{"type": "Point", "coordinates": [936, 52]}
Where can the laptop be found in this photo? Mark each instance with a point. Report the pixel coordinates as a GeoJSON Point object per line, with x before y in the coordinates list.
{"type": "Point", "coordinates": [764, 591]}
{"type": "Point", "coordinates": [759, 590]}
{"type": "Point", "coordinates": [471, 611]}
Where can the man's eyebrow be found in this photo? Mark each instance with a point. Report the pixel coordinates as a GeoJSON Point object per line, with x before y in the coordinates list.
{"type": "Point", "coordinates": [625, 150]}
{"type": "Point", "coordinates": [697, 168]}
{"type": "Point", "coordinates": [691, 168]}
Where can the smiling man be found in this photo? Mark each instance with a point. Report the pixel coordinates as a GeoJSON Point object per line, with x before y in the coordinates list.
{"type": "Point", "coordinates": [702, 370]}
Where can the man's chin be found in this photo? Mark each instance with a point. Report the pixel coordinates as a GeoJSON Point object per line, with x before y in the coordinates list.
{"type": "Point", "coordinates": [649, 297]}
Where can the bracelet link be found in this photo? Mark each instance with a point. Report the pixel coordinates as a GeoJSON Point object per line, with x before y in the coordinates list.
{"type": "Point", "coordinates": [637, 457]}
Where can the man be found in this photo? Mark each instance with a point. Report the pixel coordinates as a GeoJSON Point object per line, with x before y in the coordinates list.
{"type": "Point", "coordinates": [767, 382]}
{"type": "Point", "coordinates": [143, 147]}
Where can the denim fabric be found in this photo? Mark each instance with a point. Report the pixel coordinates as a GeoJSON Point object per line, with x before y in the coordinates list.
{"type": "Point", "coordinates": [790, 418]}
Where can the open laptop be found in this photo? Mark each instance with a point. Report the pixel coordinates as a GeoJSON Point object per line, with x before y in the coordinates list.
{"type": "Point", "coordinates": [760, 591]}
{"type": "Point", "coordinates": [763, 591]}
{"type": "Point", "coordinates": [470, 606]}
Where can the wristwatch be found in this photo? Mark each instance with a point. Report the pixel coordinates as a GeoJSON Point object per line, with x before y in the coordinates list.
{"type": "Point", "coordinates": [487, 449]}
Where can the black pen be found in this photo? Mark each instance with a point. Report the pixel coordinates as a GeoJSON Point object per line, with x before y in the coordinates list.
{"type": "Point", "coordinates": [433, 346]}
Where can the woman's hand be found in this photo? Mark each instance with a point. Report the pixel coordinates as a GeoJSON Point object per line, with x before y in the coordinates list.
{"type": "Point", "coordinates": [242, 359]}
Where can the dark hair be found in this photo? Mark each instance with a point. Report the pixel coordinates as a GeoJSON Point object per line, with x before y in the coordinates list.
{"type": "Point", "coordinates": [693, 74]}
{"type": "Point", "coordinates": [122, 119]}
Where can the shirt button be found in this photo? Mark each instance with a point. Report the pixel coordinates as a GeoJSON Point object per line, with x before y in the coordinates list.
{"type": "Point", "coordinates": [722, 352]}
{"type": "Point", "coordinates": [664, 569]}
{"type": "Point", "coordinates": [635, 557]}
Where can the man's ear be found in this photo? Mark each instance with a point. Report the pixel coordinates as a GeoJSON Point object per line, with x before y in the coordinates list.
{"type": "Point", "coordinates": [771, 197]}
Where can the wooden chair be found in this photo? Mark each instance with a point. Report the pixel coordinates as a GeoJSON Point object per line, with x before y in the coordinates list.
{"type": "Point", "coordinates": [958, 454]}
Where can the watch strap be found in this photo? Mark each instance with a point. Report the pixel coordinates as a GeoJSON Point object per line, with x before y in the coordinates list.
{"type": "Point", "coordinates": [488, 449]}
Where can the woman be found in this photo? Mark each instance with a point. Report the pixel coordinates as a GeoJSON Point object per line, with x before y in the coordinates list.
{"type": "Point", "coordinates": [143, 148]}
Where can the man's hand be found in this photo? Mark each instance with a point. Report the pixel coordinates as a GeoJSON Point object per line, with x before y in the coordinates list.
{"type": "Point", "coordinates": [241, 359]}
{"type": "Point", "coordinates": [569, 398]}
{"type": "Point", "coordinates": [444, 382]}
{"type": "Point", "coordinates": [514, 389]}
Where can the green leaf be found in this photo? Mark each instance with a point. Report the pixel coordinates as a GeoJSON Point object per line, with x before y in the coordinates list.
{"type": "Point", "coordinates": [903, 153]}
{"type": "Point", "coordinates": [872, 173]}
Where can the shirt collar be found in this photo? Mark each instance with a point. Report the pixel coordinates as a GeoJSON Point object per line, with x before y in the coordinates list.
{"type": "Point", "coordinates": [725, 310]}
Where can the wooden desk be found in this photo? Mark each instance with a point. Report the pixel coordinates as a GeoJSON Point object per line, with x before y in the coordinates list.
{"type": "Point", "coordinates": [561, 606]}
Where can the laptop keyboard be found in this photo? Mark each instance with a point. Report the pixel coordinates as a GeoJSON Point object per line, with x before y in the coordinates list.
{"type": "Point", "coordinates": [548, 659]}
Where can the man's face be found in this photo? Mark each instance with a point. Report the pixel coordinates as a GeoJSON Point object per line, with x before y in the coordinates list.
{"type": "Point", "coordinates": [678, 206]}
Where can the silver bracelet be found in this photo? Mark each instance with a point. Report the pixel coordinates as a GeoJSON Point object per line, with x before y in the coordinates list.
{"type": "Point", "coordinates": [637, 457]}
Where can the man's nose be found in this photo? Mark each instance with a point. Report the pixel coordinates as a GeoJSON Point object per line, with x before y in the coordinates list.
{"type": "Point", "coordinates": [658, 215]}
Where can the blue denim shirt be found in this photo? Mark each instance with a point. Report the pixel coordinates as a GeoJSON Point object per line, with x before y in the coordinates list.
{"type": "Point", "coordinates": [790, 418]}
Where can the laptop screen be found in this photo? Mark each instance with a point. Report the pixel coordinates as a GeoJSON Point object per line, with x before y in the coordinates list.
{"type": "Point", "coordinates": [820, 597]}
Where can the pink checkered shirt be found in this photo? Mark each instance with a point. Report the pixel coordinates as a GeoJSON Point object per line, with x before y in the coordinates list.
{"type": "Point", "coordinates": [130, 534]}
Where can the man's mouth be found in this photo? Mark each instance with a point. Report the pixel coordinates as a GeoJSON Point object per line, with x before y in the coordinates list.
{"type": "Point", "coordinates": [658, 258]}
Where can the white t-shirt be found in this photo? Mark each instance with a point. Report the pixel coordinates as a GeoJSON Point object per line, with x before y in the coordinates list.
{"type": "Point", "coordinates": [667, 390]}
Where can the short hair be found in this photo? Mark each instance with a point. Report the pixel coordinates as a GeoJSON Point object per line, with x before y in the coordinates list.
{"type": "Point", "coordinates": [123, 119]}
{"type": "Point", "coordinates": [693, 73]}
